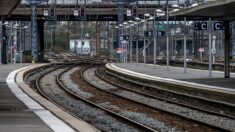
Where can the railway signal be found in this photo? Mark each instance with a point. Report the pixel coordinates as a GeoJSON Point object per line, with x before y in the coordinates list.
{"type": "Point", "coordinates": [82, 11]}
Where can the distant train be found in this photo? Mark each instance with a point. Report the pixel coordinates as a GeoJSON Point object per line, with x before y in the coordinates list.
{"type": "Point", "coordinates": [80, 47]}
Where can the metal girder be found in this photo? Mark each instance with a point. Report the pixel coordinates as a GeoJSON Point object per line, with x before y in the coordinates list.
{"type": "Point", "coordinates": [7, 6]}
{"type": "Point", "coordinates": [34, 36]}
{"type": "Point", "coordinates": [221, 9]}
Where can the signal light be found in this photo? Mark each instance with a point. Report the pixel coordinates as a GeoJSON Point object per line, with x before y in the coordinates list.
{"type": "Point", "coordinates": [134, 11]}
{"type": "Point", "coordinates": [82, 11]}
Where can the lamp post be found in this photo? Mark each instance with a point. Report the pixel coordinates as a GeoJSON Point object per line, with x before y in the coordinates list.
{"type": "Point", "coordinates": [185, 47]}
{"type": "Point", "coordinates": [145, 29]}
{"type": "Point", "coordinates": [137, 39]}
{"type": "Point", "coordinates": [125, 25]}
{"type": "Point", "coordinates": [155, 34]}
{"type": "Point", "coordinates": [131, 39]}
{"type": "Point", "coordinates": [121, 45]}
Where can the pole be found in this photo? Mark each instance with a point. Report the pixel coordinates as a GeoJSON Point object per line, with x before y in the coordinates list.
{"type": "Point", "coordinates": [46, 40]}
{"type": "Point", "coordinates": [34, 33]}
{"type": "Point", "coordinates": [155, 41]}
{"type": "Point", "coordinates": [68, 26]}
{"type": "Point", "coordinates": [82, 38]}
{"type": "Point", "coordinates": [144, 52]}
{"type": "Point", "coordinates": [120, 21]}
{"type": "Point", "coordinates": [210, 61]}
{"type": "Point", "coordinates": [131, 45]}
{"type": "Point", "coordinates": [185, 47]}
{"type": "Point", "coordinates": [137, 45]}
{"type": "Point", "coordinates": [167, 41]}
{"type": "Point", "coordinates": [111, 46]}
{"type": "Point", "coordinates": [51, 42]}
{"type": "Point", "coordinates": [11, 44]}
{"type": "Point", "coordinates": [4, 44]}
{"type": "Point", "coordinates": [227, 49]}
{"type": "Point", "coordinates": [20, 42]}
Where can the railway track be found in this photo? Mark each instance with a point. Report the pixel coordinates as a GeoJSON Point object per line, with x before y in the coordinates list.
{"type": "Point", "coordinates": [211, 106]}
{"type": "Point", "coordinates": [73, 100]}
{"type": "Point", "coordinates": [183, 110]}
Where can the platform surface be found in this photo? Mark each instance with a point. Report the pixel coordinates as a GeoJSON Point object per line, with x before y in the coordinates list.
{"type": "Point", "coordinates": [14, 115]}
{"type": "Point", "coordinates": [177, 73]}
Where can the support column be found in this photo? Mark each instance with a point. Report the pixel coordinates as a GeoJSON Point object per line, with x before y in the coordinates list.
{"type": "Point", "coordinates": [227, 50]}
{"type": "Point", "coordinates": [4, 45]}
{"type": "Point", "coordinates": [34, 51]}
{"type": "Point", "coordinates": [120, 21]}
{"type": "Point", "coordinates": [40, 29]}
{"type": "Point", "coordinates": [97, 42]}
{"type": "Point", "coordinates": [108, 41]}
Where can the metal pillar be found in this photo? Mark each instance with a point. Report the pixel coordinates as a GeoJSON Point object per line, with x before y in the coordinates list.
{"type": "Point", "coordinates": [131, 44]}
{"type": "Point", "coordinates": [120, 21]}
{"type": "Point", "coordinates": [4, 45]}
{"type": "Point", "coordinates": [227, 50]}
{"type": "Point", "coordinates": [185, 47]}
{"type": "Point", "coordinates": [34, 50]}
{"type": "Point", "coordinates": [210, 43]}
{"type": "Point", "coordinates": [97, 37]}
{"type": "Point", "coordinates": [167, 40]}
{"type": "Point", "coordinates": [155, 41]}
{"type": "Point", "coordinates": [68, 34]}
{"type": "Point", "coordinates": [137, 45]}
{"type": "Point", "coordinates": [40, 27]}
{"type": "Point", "coordinates": [108, 32]}
{"type": "Point", "coordinates": [144, 50]}
{"type": "Point", "coordinates": [20, 43]}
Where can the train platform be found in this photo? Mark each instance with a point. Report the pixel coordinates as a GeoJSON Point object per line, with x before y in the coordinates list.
{"type": "Point", "coordinates": [175, 75]}
{"type": "Point", "coordinates": [19, 112]}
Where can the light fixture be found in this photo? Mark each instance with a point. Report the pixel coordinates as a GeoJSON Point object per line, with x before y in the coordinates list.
{"type": "Point", "coordinates": [5, 23]}
{"type": "Point", "coordinates": [160, 14]}
{"type": "Point", "coordinates": [130, 21]}
{"type": "Point", "coordinates": [16, 25]}
{"type": "Point", "coordinates": [132, 25]}
{"type": "Point", "coordinates": [151, 18]}
{"type": "Point", "coordinates": [175, 10]}
{"type": "Point", "coordinates": [142, 20]}
{"type": "Point", "coordinates": [25, 27]}
{"type": "Point", "coordinates": [125, 23]}
{"type": "Point", "coordinates": [120, 25]}
{"type": "Point", "coordinates": [158, 10]}
{"type": "Point", "coordinates": [127, 26]}
{"type": "Point", "coordinates": [175, 6]}
{"type": "Point", "coordinates": [194, 5]}
{"type": "Point", "coordinates": [147, 15]}
{"type": "Point", "coordinates": [116, 27]}
{"type": "Point", "coordinates": [137, 18]}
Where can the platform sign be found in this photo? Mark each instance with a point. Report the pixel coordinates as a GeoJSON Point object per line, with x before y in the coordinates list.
{"type": "Point", "coordinates": [200, 26]}
{"type": "Point", "coordinates": [218, 26]}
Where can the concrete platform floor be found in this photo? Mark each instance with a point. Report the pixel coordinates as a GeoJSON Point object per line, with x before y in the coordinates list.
{"type": "Point", "coordinates": [177, 73]}
{"type": "Point", "coordinates": [14, 115]}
